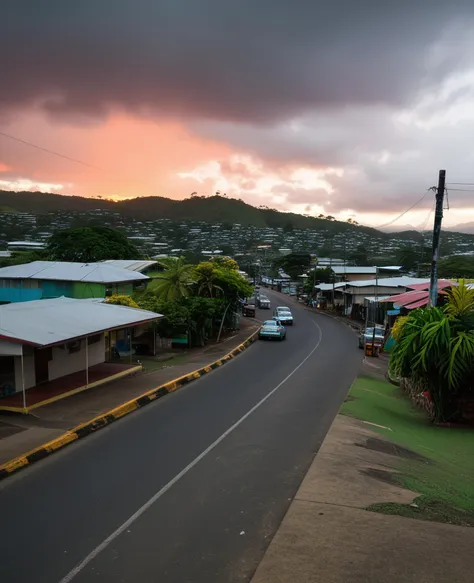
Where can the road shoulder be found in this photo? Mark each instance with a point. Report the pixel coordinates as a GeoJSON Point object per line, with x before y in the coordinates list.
{"type": "Point", "coordinates": [327, 535]}
{"type": "Point", "coordinates": [43, 434]}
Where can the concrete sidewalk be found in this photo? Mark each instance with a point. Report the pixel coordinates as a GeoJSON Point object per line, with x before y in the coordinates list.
{"type": "Point", "coordinates": [327, 536]}
{"type": "Point", "coordinates": [22, 433]}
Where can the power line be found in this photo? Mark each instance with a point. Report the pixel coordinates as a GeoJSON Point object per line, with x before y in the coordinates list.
{"type": "Point", "coordinates": [26, 143]}
{"type": "Point", "coordinates": [432, 188]}
{"type": "Point", "coordinates": [461, 189]}
{"type": "Point", "coordinates": [461, 183]}
{"type": "Point", "coordinates": [425, 222]}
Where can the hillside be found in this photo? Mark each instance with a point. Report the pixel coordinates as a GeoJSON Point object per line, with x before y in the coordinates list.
{"type": "Point", "coordinates": [214, 209]}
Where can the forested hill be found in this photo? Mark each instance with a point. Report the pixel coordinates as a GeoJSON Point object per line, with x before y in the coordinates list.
{"type": "Point", "coordinates": [214, 209]}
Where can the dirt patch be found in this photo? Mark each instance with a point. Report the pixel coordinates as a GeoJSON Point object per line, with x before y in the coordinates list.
{"type": "Point", "coordinates": [381, 475]}
{"type": "Point", "coordinates": [389, 448]}
{"type": "Point", "coordinates": [7, 430]}
{"type": "Point", "coordinates": [427, 508]}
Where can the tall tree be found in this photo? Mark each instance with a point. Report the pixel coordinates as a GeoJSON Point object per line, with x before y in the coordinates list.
{"type": "Point", "coordinates": [89, 244]}
{"type": "Point", "coordinates": [359, 256]}
{"type": "Point", "coordinates": [207, 275]}
{"type": "Point", "coordinates": [175, 281]}
{"type": "Point", "coordinates": [294, 264]}
{"type": "Point", "coordinates": [456, 267]}
{"type": "Point", "coordinates": [408, 257]}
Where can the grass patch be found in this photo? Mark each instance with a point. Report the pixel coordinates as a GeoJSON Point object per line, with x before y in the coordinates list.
{"type": "Point", "coordinates": [151, 364]}
{"type": "Point", "coordinates": [427, 508]}
{"type": "Point", "coordinates": [444, 473]}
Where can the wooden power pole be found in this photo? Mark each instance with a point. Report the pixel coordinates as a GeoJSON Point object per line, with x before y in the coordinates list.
{"type": "Point", "coordinates": [436, 238]}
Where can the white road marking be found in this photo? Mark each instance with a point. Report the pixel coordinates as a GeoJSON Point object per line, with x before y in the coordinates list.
{"type": "Point", "coordinates": [124, 527]}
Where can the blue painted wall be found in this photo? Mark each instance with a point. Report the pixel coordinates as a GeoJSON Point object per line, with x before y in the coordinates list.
{"type": "Point", "coordinates": [13, 295]}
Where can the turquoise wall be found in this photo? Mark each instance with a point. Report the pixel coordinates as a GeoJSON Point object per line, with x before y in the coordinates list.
{"type": "Point", "coordinates": [52, 289]}
{"type": "Point", "coordinates": [14, 295]}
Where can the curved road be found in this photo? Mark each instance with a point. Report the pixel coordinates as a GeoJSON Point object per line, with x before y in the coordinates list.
{"type": "Point", "coordinates": [191, 488]}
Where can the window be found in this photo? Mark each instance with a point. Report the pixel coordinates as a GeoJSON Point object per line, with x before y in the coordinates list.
{"type": "Point", "coordinates": [74, 346]}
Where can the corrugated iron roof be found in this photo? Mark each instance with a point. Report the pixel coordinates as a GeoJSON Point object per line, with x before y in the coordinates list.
{"type": "Point", "coordinates": [403, 281]}
{"type": "Point", "coordinates": [69, 271]}
{"type": "Point", "coordinates": [46, 322]}
{"type": "Point", "coordinates": [131, 264]}
{"type": "Point", "coordinates": [345, 269]}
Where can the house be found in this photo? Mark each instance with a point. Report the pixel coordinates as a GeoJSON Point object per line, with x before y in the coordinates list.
{"type": "Point", "coordinates": [63, 338]}
{"type": "Point", "coordinates": [361, 273]}
{"type": "Point", "coordinates": [25, 246]}
{"type": "Point", "coordinates": [132, 265]}
{"type": "Point", "coordinates": [350, 273]}
{"type": "Point", "coordinates": [330, 293]}
{"type": "Point", "coordinates": [356, 292]}
{"type": "Point", "coordinates": [51, 279]}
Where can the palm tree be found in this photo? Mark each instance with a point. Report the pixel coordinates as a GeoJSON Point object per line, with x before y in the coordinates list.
{"type": "Point", "coordinates": [435, 346]}
{"type": "Point", "coordinates": [206, 276]}
{"type": "Point", "coordinates": [175, 281]}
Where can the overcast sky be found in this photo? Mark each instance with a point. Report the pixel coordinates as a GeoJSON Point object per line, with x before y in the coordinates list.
{"type": "Point", "coordinates": [345, 108]}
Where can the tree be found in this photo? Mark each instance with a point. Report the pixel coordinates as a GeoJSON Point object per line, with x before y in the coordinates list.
{"type": "Point", "coordinates": [225, 262]}
{"type": "Point", "coordinates": [90, 244]}
{"type": "Point", "coordinates": [206, 279]}
{"type": "Point", "coordinates": [408, 257]}
{"type": "Point", "coordinates": [359, 256]}
{"type": "Point", "coordinates": [456, 267]}
{"type": "Point", "coordinates": [435, 347]}
{"type": "Point", "coordinates": [22, 257]}
{"type": "Point", "coordinates": [288, 227]}
{"type": "Point", "coordinates": [294, 264]}
{"type": "Point", "coordinates": [175, 281]}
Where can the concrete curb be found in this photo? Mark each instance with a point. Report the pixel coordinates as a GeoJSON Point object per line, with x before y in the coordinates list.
{"type": "Point", "coordinates": [352, 325]}
{"type": "Point", "coordinates": [101, 421]}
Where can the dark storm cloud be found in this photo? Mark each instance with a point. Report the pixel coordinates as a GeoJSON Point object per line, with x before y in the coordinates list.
{"type": "Point", "coordinates": [240, 60]}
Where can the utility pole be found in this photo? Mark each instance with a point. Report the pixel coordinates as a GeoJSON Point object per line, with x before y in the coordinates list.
{"type": "Point", "coordinates": [436, 238]}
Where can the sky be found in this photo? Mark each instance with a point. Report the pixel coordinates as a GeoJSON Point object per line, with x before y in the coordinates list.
{"type": "Point", "coordinates": [347, 108]}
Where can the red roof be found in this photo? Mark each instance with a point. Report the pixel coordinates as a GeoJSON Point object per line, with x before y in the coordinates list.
{"type": "Point", "coordinates": [418, 304]}
{"type": "Point", "coordinates": [442, 284]}
{"type": "Point", "coordinates": [407, 297]}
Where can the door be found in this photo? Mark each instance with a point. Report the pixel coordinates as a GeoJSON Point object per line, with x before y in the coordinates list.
{"type": "Point", "coordinates": [42, 358]}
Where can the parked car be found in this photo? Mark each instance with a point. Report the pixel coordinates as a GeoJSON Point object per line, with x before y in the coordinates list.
{"type": "Point", "coordinates": [285, 315]}
{"type": "Point", "coordinates": [272, 330]}
{"type": "Point", "coordinates": [249, 307]}
{"type": "Point", "coordinates": [366, 336]}
{"type": "Point", "coordinates": [264, 303]}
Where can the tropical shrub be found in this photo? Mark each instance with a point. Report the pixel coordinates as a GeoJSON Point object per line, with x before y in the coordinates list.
{"type": "Point", "coordinates": [397, 329]}
{"type": "Point", "coordinates": [435, 348]}
{"type": "Point", "coordinates": [119, 300]}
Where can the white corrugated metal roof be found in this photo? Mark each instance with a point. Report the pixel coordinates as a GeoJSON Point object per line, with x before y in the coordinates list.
{"type": "Point", "coordinates": [342, 269]}
{"type": "Point", "coordinates": [376, 298]}
{"type": "Point", "coordinates": [403, 281]}
{"type": "Point", "coordinates": [68, 271]}
{"type": "Point", "coordinates": [329, 286]}
{"type": "Point", "coordinates": [45, 322]}
{"type": "Point", "coordinates": [131, 264]}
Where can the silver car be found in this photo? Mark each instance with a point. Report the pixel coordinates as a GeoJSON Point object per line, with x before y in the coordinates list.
{"type": "Point", "coordinates": [285, 315]}
{"type": "Point", "coordinates": [366, 336]}
{"type": "Point", "coordinates": [264, 303]}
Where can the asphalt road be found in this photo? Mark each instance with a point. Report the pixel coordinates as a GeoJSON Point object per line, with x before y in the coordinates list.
{"type": "Point", "coordinates": [191, 488]}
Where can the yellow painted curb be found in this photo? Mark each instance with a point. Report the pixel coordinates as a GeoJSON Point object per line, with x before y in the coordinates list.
{"type": "Point", "coordinates": [105, 419]}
